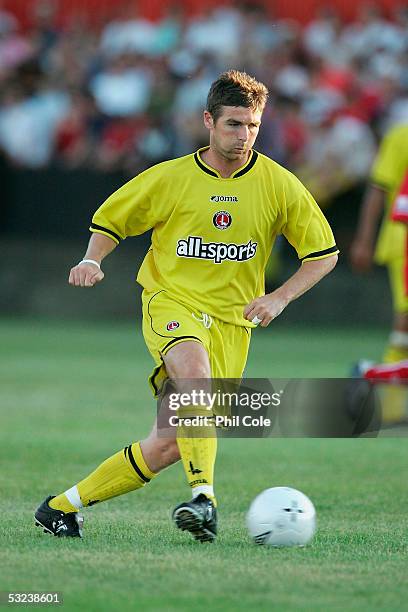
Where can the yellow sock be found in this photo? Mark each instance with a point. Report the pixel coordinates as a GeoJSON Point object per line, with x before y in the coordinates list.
{"type": "Point", "coordinates": [394, 396]}
{"type": "Point", "coordinates": [198, 453]}
{"type": "Point", "coordinates": [123, 472]}
{"type": "Point", "coordinates": [61, 502]}
{"type": "Point", "coordinates": [393, 354]}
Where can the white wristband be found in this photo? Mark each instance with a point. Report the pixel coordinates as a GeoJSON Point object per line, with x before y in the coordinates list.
{"type": "Point", "coordinates": [91, 261]}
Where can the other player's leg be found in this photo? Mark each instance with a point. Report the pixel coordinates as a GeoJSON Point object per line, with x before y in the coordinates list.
{"type": "Point", "coordinates": [394, 397]}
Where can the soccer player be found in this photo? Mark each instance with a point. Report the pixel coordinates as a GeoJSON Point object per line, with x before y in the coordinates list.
{"type": "Point", "coordinates": [215, 215]}
{"type": "Point", "coordinates": [387, 174]}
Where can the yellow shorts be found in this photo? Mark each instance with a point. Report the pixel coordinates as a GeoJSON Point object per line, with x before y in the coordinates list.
{"type": "Point", "coordinates": [396, 273]}
{"type": "Point", "coordinates": [167, 322]}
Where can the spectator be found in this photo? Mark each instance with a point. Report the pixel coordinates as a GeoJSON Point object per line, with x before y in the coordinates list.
{"type": "Point", "coordinates": [215, 33]}
{"type": "Point", "coordinates": [14, 47]}
{"type": "Point", "coordinates": [78, 133]}
{"type": "Point", "coordinates": [334, 87]}
{"type": "Point", "coordinates": [129, 33]}
{"type": "Point", "coordinates": [123, 87]}
{"type": "Point", "coordinates": [371, 33]}
{"type": "Point", "coordinates": [321, 35]}
{"type": "Point", "coordinates": [29, 119]}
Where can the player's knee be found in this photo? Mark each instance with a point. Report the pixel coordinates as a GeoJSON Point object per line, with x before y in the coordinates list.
{"type": "Point", "coordinates": [168, 450]}
{"type": "Point", "coordinates": [196, 369]}
{"type": "Point", "coordinates": [173, 453]}
{"type": "Point", "coordinates": [187, 360]}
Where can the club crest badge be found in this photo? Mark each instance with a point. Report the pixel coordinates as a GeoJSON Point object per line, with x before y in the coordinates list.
{"type": "Point", "coordinates": [222, 220]}
{"type": "Point", "coordinates": [172, 325]}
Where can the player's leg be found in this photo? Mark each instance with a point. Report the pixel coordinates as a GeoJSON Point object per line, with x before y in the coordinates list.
{"type": "Point", "coordinates": [394, 397]}
{"type": "Point", "coordinates": [227, 358]}
{"type": "Point", "coordinates": [397, 348]}
{"type": "Point", "coordinates": [189, 361]}
{"type": "Point", "coordinates": [134, 466]}
{"type": "Point", "coordinates": [159, 451]}
{"type": "Point", "coordinates": [125, 471]}
{"type": "Point", "coordinates": [188, 364]}
{"type": "Point", "coordinates": [179, 341]}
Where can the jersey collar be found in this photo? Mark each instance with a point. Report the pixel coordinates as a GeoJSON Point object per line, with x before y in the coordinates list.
{"type": "Point", "coordinates": [212, 172]}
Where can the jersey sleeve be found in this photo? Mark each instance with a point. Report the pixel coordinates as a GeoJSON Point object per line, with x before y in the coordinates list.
{"type": "Point", "coordinates": [386, 170]}
{"type": "Point", "coordinates": [307, 229]}
{"type": "Point", "coordinates": [136, 207]}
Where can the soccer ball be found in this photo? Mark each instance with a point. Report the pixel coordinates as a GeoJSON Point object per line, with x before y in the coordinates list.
{"type": "Point", "coordinates": [281, 516]}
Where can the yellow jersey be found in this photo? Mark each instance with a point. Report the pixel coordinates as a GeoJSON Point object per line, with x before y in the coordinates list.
{"type": "Point", "coordinates": [388, 172]}
{"type": "Point", "coordinates": [212, 236]}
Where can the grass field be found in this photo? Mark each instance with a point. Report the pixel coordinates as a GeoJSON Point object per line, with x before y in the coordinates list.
{"type": "Point", "coordinates": [72, 394]}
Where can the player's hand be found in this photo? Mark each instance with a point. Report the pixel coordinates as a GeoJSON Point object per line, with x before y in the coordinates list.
{"type": "Point", "coordinates": [265, 308]}
{"type": "Point", "coordinates": [85, 275]}
{"type": "Point", "coordinates": [361, 256]}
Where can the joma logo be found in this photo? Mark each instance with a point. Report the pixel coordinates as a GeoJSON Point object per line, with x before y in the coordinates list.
{"type": "Point", "coordinates": [223, 198]}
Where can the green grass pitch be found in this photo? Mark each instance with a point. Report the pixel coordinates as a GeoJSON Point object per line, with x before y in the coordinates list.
{"type": "Point", "coordinates": [71, 394]}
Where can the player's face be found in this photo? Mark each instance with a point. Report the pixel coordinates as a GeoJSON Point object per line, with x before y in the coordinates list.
{"type": "Point", "coordinates": [234, 133]}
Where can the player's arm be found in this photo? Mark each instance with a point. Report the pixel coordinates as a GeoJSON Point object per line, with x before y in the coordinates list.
{"type": "Point", "coordinates": [137, 206]}
{"type": "Point", "coordinates": [269, 306]}
{"type": "Point", "coordinates": [385, 175]}
{"type": "Point", "coordinates": [362, 248]}
{"type": "Point", "coordinates": [87, 274]}
{"type": "Point", "coordinates": [307, 230]}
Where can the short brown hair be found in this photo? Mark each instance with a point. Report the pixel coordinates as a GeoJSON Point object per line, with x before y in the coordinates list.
{"type": "Point", "coordinates": [234, 88]}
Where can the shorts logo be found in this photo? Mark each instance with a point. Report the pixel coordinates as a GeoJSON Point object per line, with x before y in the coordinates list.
{"type": "Point", "coordinates": [222, 220]}
{"type": "Point", "coordinates": [221, 198]}
{"type": "Point", "coordinates": [215, 251]}
{"type": "Point", "coordinates": [172, 325]}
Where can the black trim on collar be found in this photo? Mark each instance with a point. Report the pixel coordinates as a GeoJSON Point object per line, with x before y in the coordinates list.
{"type": "Point", "coordinates": [248, 167]}
{"type": "Point", "coordinates": [201, 165]}
{"type": "Point", "coordinates": [240, 172]}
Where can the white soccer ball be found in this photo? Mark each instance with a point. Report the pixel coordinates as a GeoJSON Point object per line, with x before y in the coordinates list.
{"type": "Point", "coordinates": [281, 516]}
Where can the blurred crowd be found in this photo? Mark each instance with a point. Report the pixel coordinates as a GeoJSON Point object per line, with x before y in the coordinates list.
{"type": "Point", "coordinates": [131, 94]}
